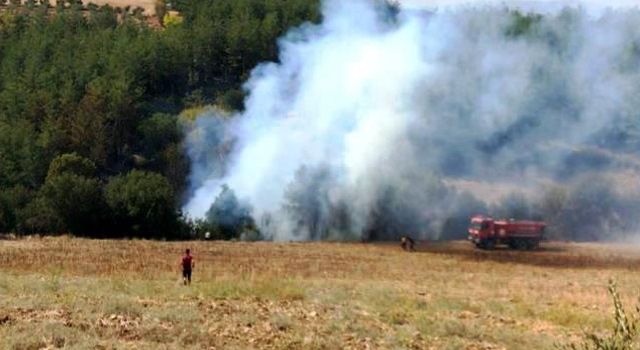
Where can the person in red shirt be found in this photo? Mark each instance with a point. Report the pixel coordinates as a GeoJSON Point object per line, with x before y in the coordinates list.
{"type": "Point", "coordinates": [187, 267]}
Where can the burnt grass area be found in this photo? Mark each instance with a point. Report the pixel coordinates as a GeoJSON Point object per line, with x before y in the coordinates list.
{"type": "Point", "coordinates": [548, 254]}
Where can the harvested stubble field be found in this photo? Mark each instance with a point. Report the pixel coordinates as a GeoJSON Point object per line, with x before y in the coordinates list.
{"type": "Point", "coordinates": [104, 294]}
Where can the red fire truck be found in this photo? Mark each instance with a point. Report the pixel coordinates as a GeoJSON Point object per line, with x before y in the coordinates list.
{"type": "Point", "coordinates": [486, 232]}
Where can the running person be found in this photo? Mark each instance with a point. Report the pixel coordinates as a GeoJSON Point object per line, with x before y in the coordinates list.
{"type": "Point", "coordinates": [187, 267]}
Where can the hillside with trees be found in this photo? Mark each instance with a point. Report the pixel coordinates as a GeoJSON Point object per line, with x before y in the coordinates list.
{"type": "Point", "coordinates": [95, 101]}
{"type": "Point", "coordinates": [90, 134]}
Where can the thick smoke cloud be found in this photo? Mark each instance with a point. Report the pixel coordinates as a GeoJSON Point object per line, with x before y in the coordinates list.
{"type": "Point", "coordinates": [370, 119]}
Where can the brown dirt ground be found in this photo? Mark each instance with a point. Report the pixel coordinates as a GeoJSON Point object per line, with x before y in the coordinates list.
{"type": "Point", "coordinates": [103, 294]}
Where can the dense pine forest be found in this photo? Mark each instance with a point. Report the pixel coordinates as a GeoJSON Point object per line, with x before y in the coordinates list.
{"type": "Point", "coordinates": [93, 101]}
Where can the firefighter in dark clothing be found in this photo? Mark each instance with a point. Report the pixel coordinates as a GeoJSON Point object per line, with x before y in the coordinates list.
{"type": "Point", "coordinates": [187, 267]}
{"type": "Point", "coordinates": [407, 243]}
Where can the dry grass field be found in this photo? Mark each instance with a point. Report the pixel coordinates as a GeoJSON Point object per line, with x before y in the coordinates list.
{"type": "Point", "coordinates": [103, 294]}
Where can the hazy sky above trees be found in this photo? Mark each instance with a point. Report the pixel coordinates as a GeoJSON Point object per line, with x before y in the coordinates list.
{"type": "Point", "coordinates": [538, 5]}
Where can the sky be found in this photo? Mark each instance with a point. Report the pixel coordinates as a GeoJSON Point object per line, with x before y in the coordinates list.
{"type": "Point", "coordinates": [593, 6]}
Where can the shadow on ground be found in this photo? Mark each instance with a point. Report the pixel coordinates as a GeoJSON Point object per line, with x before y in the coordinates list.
{"type": "Point", "coordinates": [549, 254]}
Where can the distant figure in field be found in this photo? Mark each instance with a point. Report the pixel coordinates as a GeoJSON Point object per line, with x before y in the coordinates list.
{"type": "Point", "coordinates": [187, 267]}
{"type": "Point", "coordinates": [407, 243]}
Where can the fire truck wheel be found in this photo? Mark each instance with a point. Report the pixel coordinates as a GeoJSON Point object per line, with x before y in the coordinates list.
{"type": "Point", "coordinates": [533, 244]}
{"type": "Point", "coordinates": [522, 244]}
{"type": "Point", "coordinates": [489, 244]}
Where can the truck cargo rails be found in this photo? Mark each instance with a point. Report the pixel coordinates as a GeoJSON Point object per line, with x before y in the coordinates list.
{"type": "Point", "coordinates": [486, 232]}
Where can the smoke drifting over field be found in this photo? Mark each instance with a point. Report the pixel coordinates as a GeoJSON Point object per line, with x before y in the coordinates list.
{"type": "Point", "coordinates": [352, 133]}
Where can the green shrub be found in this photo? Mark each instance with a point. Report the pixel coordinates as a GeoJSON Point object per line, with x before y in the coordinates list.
{"type": "Point", "coordinates": [12, 200]}
{"type": "Point", "coordinates": [171, 20]}
{"type": "Point", "coordinates": [77, 201]}
{"type": "Point", "coordinates": [625, 330]}
{"type": "Point", "coordinates": [71, 163]}
{"type": "Point", "coordinates": [228, 217]}
{"type": "Point", "coordinates": [142, 202]}
{"type": "Point", "coordinates": [158, 131]}
{"type": "Point", "coordinates": [38, 217]}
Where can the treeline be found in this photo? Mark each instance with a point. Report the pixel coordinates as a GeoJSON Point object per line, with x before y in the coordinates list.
{"type": "Point", "coordinates": [588, 208]}
{"type": "Point", "coordinates": [90, 102]}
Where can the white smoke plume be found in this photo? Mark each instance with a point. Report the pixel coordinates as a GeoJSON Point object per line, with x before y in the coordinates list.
{"type": "Point", "coordinates": [351, 132]}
